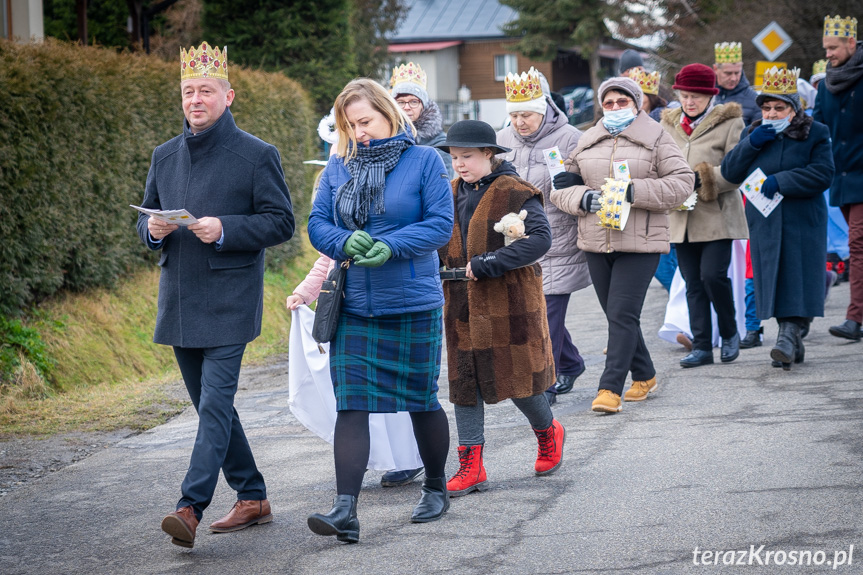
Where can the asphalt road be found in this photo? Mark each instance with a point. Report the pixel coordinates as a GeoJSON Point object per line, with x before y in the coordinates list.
{"type": "Point", "coordinates": [728, 458]}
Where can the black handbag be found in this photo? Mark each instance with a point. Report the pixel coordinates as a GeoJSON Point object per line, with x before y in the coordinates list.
{"type": "Point", "coordinates": [330, 304]}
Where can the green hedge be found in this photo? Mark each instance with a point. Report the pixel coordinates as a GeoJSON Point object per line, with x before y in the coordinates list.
{"type": "Point", "coordinates": [77, 130]}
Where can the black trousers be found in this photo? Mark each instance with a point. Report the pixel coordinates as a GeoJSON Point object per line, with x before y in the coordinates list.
{"type": "Point", "coordinates": [704, 266]}
{"type": "Point", "coordinates": [211, 376]}
{"type": "Point", "coordinates": [620, 280]}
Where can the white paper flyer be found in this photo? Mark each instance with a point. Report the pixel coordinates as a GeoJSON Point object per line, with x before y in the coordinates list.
{"type": "Point", "coordinates": [179, 217]}
{"type": "Point", "coordinates": [751, 188]}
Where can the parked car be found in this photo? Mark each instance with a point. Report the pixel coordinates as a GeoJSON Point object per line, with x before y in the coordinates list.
{"type": "Point", "coordinates": [579, 104]}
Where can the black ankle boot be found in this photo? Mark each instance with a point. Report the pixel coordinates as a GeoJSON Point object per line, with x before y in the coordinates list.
{"type": "Point", "coordinates": [434, 501]}
{"type": "Point", "coordinates": [752, 339]}
{"type": "Point", "coordinates": [341, 521]}
{"type": "Point", "coordinates": [787, 344]}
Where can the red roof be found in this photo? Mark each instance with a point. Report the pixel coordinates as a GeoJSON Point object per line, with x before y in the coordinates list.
{"type": "Point", "coordinates": [423, 46]}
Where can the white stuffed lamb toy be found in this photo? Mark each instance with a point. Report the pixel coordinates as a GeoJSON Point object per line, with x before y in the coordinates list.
{"type": "Point", "coordinates": [512, 227]}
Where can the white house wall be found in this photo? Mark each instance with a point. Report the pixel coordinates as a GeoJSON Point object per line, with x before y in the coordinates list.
{"type": "Point", "coordinates": [27, 20]}
{"type": "Point", "coordinates": [441, 68]}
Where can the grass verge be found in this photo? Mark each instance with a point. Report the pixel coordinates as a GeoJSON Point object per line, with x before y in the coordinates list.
{"type": "Point", "coordinates": [108, 373]}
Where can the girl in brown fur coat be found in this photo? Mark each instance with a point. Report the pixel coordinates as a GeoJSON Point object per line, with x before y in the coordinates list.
{"type": "Point", "coordinates": [498, 346]}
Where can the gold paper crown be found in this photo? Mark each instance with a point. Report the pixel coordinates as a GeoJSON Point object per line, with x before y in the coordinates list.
{"type": "Point", "coordinates": [204, 62]}
{"type": "Point", "coordinates": [409, 72]}
{"type": "Point", "coordinates": [780, 81]}
{"type": "Point", "coordinates": [841, 27]}
{"type": "Point", "coordinates": [611, 204]}
{"type": "Point", "coordinates": [523, 88]}
{"type": "Point", "coordinates": [819, 67]}
{"type": "Point", "coordinates": [728, 52]}
{"type": "Point", "coordinates": [649, 82]}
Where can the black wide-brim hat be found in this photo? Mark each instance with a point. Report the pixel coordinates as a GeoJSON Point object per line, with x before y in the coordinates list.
{"type": "Point", "coordinates": [472, 134]}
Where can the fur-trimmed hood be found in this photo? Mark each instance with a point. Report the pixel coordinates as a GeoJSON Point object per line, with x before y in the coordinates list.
{"type": "Point", "coordinates": [719, 114]}
{"type": "Point", "coordinates": [798, 129]}
{"type": "Point", "coordinates": [430, 122]}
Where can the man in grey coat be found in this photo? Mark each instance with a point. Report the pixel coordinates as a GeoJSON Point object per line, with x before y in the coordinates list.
{"type": "Point", "coordinates": [212, 279]}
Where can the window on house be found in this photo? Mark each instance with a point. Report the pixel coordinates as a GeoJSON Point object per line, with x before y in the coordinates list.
{"type": "Point", "coordinates": [503, 65]}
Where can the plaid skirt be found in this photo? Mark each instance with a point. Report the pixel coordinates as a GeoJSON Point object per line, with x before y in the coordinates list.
{"type": "Point", "coordinates": [387, 364]}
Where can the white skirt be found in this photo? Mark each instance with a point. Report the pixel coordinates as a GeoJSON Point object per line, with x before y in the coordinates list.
{"type": "Point", "coordinates": [313, 402]}
{"type": "Point", "coordinates": [677, 310]}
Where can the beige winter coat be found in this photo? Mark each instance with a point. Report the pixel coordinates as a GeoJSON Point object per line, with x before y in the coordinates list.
{"type": "Point", "coordinates": [718, 213]}
{"type": "Point", "coordinates": [661, 180]}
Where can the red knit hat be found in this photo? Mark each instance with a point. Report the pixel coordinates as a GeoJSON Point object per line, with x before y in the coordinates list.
{"type": "Point", "coordinates": [696, 78]}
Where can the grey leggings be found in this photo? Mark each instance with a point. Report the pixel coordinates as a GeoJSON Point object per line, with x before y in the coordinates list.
{"type": "Point", "coordinates": [470, 419]}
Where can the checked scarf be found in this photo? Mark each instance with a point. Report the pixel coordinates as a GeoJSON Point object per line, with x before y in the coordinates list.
{"type": "Point", "coordinates": [368, 170]}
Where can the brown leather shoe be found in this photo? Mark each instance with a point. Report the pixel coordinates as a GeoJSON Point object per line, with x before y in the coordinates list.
{"type": "Point", "coordinates": [243, 514]}
{"type": "Point", "coordinates": [181, 526]}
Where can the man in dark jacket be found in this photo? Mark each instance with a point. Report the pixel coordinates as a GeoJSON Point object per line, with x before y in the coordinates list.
{"type": "Point", "coordinates": [839, 104]}
{"type": "Point", "coordinates": [731, 80]}
{"type": "Point", "coordinates": [211, 285]}
{"type": "Point", "coordinates": [408, 86]}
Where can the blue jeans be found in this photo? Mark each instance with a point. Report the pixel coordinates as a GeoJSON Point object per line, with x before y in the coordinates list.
{"type": "Point", "coordinates": [752, 321]}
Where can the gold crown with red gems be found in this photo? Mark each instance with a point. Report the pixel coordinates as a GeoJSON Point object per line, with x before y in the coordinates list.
{"type": "Point", "coordinates": [409, 72]}
{"type": "Point", "coordinates": [204, 62]}
{"type": "Point", "coordinates": [523, 88]}
{"type": "Point", "coordinates": [728, 52]}
{"type": "Point", "coordinates": [841, 27]}
{"type": "Point", "coordinates": [780, 81]}
{"type": "Point", "coordinates": [649, 82]}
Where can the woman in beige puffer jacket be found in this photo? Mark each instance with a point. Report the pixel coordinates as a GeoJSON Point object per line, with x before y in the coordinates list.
{"type": "Point", "coordinates": [703, 236]}
{"type": "Point", "coordinates": [622, 262]}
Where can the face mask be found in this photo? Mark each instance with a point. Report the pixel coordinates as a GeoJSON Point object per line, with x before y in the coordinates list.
{"type": "Point", "coordinates": [778, 125]}
{"type": "Point", "coordinates": [616, 120]}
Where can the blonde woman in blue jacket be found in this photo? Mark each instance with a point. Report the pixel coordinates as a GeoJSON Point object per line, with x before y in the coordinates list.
{"type": "Point", "coordinates": [385, 203]}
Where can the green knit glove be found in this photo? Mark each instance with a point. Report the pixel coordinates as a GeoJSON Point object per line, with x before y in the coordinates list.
{"type": "Point", "coordinates": [376, 257]}
{"type": "Point", "coordinates": [358, 244]}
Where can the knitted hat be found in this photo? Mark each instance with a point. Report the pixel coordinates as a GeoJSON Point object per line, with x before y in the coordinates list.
{"type": "Point", "coordinates": [622, 84]}
{"type": "Point", "coordinates": [472, 134]}
{"type": "Point", "coordinates": [696, 78]}
{"type": "Point", "coordinates": [630, 59]}
{"type": "Point", "coordinates": [410, 79]}
{"type": "Point", "coordinates": [793, 99]}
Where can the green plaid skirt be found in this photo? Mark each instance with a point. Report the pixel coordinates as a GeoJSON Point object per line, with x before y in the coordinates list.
{"type": "Point", "coordinates": [387, 364]}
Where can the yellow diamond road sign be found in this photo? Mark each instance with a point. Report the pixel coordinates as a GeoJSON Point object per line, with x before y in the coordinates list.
{"type": "Point", "coordinates": [772, 41]}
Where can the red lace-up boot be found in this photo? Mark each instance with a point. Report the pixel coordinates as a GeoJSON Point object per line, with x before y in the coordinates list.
{"type": "Point", "coordinates": [550, 450]}
{"type": "Point", "coordinates": [471, 472]}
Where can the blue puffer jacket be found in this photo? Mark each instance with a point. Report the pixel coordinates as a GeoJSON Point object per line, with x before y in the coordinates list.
{"type": "Point", "coordinates": [417, 220]}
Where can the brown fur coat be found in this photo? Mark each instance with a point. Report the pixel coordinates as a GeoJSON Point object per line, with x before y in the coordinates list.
{"type": "Point", "coordinates": [496, 328]}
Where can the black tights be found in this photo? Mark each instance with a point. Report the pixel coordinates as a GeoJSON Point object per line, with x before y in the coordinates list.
{"type": "Point", "coordinates": [351, 446]}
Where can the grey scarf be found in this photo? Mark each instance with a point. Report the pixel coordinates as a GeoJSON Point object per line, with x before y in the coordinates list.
{"type": "Point", "coordinates": [841, 78]}
{"type": "Point", "coordinates": [368, 170]}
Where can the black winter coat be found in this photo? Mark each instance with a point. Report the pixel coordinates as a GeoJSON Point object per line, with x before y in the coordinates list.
{"type": "Point", "coordinates": [212, 297]}
{"type": "Point", "coordinates": [789, 246]}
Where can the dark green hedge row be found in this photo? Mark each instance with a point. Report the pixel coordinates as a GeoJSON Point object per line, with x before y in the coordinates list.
{"type": "Point", "coordinates": [77, 130]}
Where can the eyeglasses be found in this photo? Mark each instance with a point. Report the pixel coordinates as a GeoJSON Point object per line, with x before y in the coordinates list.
{"type": "Point", "coordinates": [779, 109]}
{"type": "Point", "coordinates": [412, 104]}
{"type": "Point", "coordinates": [621, 103]}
